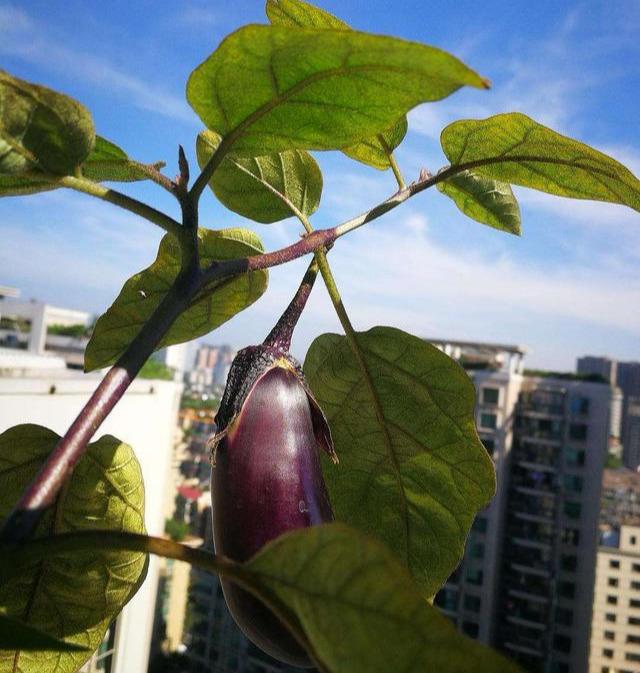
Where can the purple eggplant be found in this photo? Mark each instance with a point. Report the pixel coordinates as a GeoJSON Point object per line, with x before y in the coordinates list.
{"type": "Point", "coordinates": [266, 477]}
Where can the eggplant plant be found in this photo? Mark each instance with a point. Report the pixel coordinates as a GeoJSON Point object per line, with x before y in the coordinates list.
{"type": "Point", "coordinates": [323, 563]}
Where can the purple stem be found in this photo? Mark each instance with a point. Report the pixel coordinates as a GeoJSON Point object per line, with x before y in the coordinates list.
{"type": "Point", "coordinates": [280, 336]}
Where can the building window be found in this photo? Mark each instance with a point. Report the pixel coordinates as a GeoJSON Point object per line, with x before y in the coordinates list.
{"type": "Point", "coordinates": [470, 628]}
{"type": "Point", "coordinates": [562, 643]}
{"type": "Point", "coordinates": [490, 395]}
{"type": "Point", "coordinates": [634, 603]}
{"type": "Point", "coordinates": [609, 635]}
{"type": "Point", "coordinates": [572, 509]}
{"type": "Point", "coordinates": [633, 539]}
{"type": "Point", "coordinates": [474, 576]}
{"type": "Point", "coordinates": [635, 586]}
{"type": "Point", "coordinates": [632, 656]}
{"type": "Point", "coordinates": [635, 640]}
{"type": "Point", "coordinates": [569, 562]}
{"type": "Point", "coordinates": [477, 550]}
{"type": "Point", "coordinates": [574, 457]}
{"type": "Point", "coordinates": [573, 483]}
{"type": "Point", "coordinates": [479, 525]}
{"type": "Point", "coordinates": [613, 582]}
{"type": "Point", "coordinates": [571, 536]}
{"type": "Point", "coordinates": [636, 567]}
{"type": "Point", "coordinates": [612, 600]}
{"type": "Point", "coordinates": [633, 621]}
{"type": "Point", "coordinates": [610, 617]}
{"type": "Point", "coordinates": [488, 421]}
{"type": "Point", "coordinates": [614, 564]}
{"type": "Point", "coordinates": [564, 616]}
{"type": "Point", "coordinates": [472, 603]}
{"type": "Point", "coordinates": [489, 444]}
{"type": "Point", "coordinates": [607, 654]}
{"type": "Point", "coordinates": [560, 667]}
{"type": "Point", "coordinates": [579, 406]}
{"type": "Point", "coordinates": [578, 431]}
{"type": "Point", "coordinates": [567, 589]}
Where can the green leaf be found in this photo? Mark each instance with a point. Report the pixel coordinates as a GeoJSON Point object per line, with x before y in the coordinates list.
{"type": "Point", "coordinates": [71, 597]}
{"type": "Point", "coordinates": [18, 185]}
{"type": "Point", "coordinates": [269, 88]}
{"type": "Point", "coordinates": [142, 293]}
{"type": "Point", "coordinates": [360, 609]}
{"type": "Point", "coordinates": [484, 200]}
{"type": "Point", "coordinates": [412, 470]}
{"type": "Point", "coordinates": [372, 151]}
{"type": "Point", "coordinates": [245, 185]}
{"type": "Point", "coordinates": [41, 128]}
{"type": "Point", "coordinates": [15, 635]}
{"type": "Point", "coordinates": [514, 148]}
{"type": "Point", "coordinates": [375, 151]}
{"type": "Point", "coordinates": [295, 13]}
{"type": "Point", "coordinates": [108, 163]}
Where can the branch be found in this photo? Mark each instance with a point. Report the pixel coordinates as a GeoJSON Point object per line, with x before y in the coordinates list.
{"type": "Point", "coordinates": [113, 196]}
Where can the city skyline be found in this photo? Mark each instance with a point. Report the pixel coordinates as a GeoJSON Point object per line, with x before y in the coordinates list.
{"type": "Point", "coordinates": [573, 274]}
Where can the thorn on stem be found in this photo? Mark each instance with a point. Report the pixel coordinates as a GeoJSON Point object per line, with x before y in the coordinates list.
{"type": "Point", "coordinates": [182, 180]}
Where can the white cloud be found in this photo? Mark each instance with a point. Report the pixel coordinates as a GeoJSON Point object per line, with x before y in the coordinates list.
{"type": "Point", "coordinates": [22, 37]}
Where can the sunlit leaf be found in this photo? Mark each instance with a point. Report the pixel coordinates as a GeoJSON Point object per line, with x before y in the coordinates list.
{"type": "Point", "coordinates": [372, 151]}
{"type": "Point", "coordinates": [515, 149]}
{"type": "Point", "coordinates": [142, 293]}
{"type": "Point", "coordinates": [41, 128]}
{"type": "Point", "coordinates": [485, 200]}
{"type": "Point", "coordinates": [269, 88]}
{"type": "Point", "coordinates": [242, 183]}
{"type": "Point", "coordinates": [18, 185]}
{"type": "Point", "coordinates": [412, 470]}
{"type": "Point", "coordinates": [107, 162]}
{"type": "Point", "coordinates": [360, 609]}
{"type": "Point", "coordinates": [73, 597]}
{"type": "Point", "coordinates": [15, 635]}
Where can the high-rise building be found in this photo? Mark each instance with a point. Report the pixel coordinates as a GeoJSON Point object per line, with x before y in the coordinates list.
{"type": "Point", "coordinates": [625, 375]}
{"type": "Point", "coordinates": [470, 596]}
{"type": "Point", "coordinates": [548, 562]}
{"type": "Point", "coordinates": [615, 629]}
{"type": "Point", "coordinates": [525, 583]}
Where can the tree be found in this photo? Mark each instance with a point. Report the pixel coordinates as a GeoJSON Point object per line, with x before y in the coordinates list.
{"type": "Point", "coordinates": [412, 471]}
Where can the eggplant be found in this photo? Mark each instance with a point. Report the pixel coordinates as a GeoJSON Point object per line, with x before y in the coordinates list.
{"type": "Point", "coordinates": [266, 477]}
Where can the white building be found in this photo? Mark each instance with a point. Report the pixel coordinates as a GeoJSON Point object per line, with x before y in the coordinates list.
{"type": "Point", "coordinates": [39, 389]}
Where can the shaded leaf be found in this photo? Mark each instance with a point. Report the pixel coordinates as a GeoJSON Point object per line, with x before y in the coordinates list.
{"type": "Point", "coordinates": [41, 128]}
{"type": "Point", "coordinates": [108, 163]}
{"type": "Point", "coordinates": [299, 14]}
{"type": "Point", "coordinates": [484, 200]}
{"type": "Point", "coordinates": [269, 88]}
{"type": "Point", "coordinates": [18, 185]}
{"type": "Point", "coordinates": [15, 635]}
{"type": "Point", "coordinates": [142, 293]}
{"type": "Point", "coordinates": [75, 596]}
{"type": "Point", "coordinates": [242, 183]}
{"type": "Point", "coordinates": [516, 149]}
{"type": "Point", "coordinates": [412, 470]}
{"type": "Point", "coordinates": [360, 609]}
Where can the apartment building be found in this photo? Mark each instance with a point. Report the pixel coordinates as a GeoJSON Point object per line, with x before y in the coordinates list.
{"type": "Point", "coordinates": [470, 596]}
{"type": "Point", "coordinates": [615, 629]}
{"type": "Point", "coordinates": [551, 523]}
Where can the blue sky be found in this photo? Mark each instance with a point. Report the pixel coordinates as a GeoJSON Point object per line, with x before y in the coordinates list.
{"type": "Point", "coordinates": [569, 286]}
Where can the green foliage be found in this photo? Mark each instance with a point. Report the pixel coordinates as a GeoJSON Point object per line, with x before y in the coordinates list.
{"type": "Point", "coordinates": [515, 149]}
{"type": "Point", "coordinates": [267, 89]}
{"type": "Point", "coordinates": [142, 294]}
{"type": "Point", "coordinates": [246, 185]}
{"type": "Point", "coordinates": [412, 471]}
{"type": "Point", "coordinates": [17, 185]}
{"type": "Point", "coordinates": [107, 162]}
{"type": "Point", "coordinates": [176, 530]}
{"type": "Point", "coordinates": [359, 608]}
{"type": "Point", "coordinates": [73, 597]}
{"type": "Point", "coordinates": [484, 200]}
{"type": "Point", "coordinates": [15, 635]}
{"type": "Point", "coordinates": [372, 151]}
{"type": "Point", "coordinates": [152, 369]}
{"type": "Point", "coordinates": [78, 330]}
{"type": "Point", "coordinates": [41, 129]}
